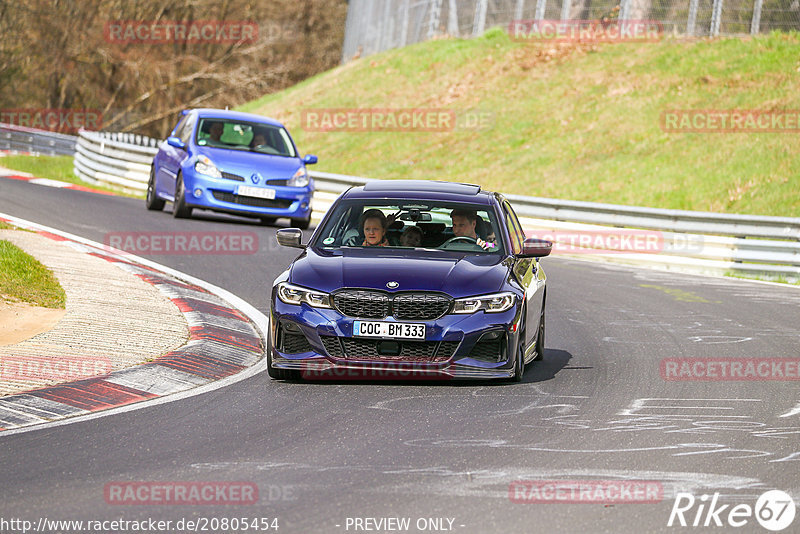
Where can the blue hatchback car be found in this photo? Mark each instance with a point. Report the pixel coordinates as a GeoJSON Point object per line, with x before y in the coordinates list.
{"type": "Point", "coordinates": [410, 279]}
{"type": "Point", "coordinates": [232, 162]}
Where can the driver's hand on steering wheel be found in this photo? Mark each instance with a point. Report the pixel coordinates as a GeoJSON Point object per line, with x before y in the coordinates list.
{"type": "Point", "coordinates": [485, 245]}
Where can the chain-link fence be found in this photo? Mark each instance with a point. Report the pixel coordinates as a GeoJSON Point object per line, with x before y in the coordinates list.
{"type": "Point", "coordinates": [375, 25]}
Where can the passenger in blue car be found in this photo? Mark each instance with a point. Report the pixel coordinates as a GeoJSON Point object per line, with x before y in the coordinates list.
{"type": "Point", "coordinates": [374, 224]}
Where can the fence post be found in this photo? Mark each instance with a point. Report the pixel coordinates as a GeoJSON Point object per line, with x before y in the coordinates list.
{"type": "Point", "coordinates": [755, 25]}
{"type": "Point", "coordinates": [540, 7]}
{"type": "Point", "coordinates": [624, 10]}
{"type": "Point", "coordinates": [692, 20]}
{"type": "Point", "coordinates": [716, 14]}
{"type": "Point", "coordinates": [452, 19]}
{"type": "Point", "coordinates": [436, 16]}
{"type": "Point", "coordinates": [383, 27]}
{"type": "Point", "coordinates": [518, 9]}
{"type": "Point", "coordinates": [404, 26]}
{"type": "Point", "coordinates": [480, 18]}
{"type": "Point", "coordinates": [565, 6]}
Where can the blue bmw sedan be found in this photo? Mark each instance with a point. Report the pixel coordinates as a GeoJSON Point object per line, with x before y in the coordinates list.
{"type": "Point", "coordinates": [410, 279]}
{"type": "Point", "coordinates": [233, 162]}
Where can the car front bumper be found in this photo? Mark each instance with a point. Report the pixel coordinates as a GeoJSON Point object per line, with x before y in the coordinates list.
{"type": "Point", "coordinates": [209, 193]}
{"type": "Point", "coordinates": [455, 347]}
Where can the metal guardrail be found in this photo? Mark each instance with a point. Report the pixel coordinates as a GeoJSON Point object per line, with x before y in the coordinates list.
{"type": "Point", "coordinates": [693, 241]}
{"type": "Point", "coordinates": [22, 139]}
{"type": "Point", "coordinates": [714, 243]}
{"type": "Point", "coordinates": [122, 160]}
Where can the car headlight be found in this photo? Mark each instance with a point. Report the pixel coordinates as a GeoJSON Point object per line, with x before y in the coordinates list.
{"type": "Point", "coordinates": [205, 166]}
{"type": "Point", "coordinates": [300, 178]}
{"type": "Point", "coordinates": [494, 303]}
{"type": "Point", "coordinates": [297, 295]}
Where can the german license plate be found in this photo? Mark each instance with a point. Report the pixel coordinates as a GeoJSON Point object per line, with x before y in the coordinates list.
{"type": "Point", "coordinates": [385, 329]}
{"type": "Point", "coordinates": [257, 192]}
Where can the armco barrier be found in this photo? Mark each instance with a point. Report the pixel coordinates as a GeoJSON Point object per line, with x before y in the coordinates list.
{"type": "Point", "coordinates": [30, 140]}
{"type": "Point", "coordinates": [118, 159]}
{"type": "Point", "coordinates": [746, 244]}
{"type": "Point", "coordinates": [125, 159]}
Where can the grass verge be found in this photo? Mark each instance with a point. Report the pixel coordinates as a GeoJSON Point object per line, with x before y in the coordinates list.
{"type": "Point", "coordinates": [56, 168]}
{"type": "Point", "coordinates": [24, 278]}
{"type": "Point", "coordinates": [568, 120]}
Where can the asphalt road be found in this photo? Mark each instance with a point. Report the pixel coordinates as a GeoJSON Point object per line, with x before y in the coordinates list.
{"type": "Point", "coordinates": [597, 408]}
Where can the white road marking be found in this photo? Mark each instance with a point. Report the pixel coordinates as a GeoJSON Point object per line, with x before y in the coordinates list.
{"type": "Point", "coordinates": [793, 411]}
{"type": "Point", "coordinates": [48, 182]}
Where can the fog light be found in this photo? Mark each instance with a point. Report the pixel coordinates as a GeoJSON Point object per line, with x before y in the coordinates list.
{"type": "Point", "coordinates": [290, 327]}
{"type": "Point", "coordinates": [198, 193]}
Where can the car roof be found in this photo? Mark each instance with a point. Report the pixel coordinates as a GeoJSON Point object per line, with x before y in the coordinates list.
{"type": "Point", "coordinates": [235, 115]}
{"type": "Point", "coordinates": [421, 190]}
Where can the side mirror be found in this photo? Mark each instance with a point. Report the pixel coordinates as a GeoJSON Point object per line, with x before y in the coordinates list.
{"type": "Point", "coordinates": [536, 248]}
{"type": "Point", "coordinates": [310, 159]}
{"type": "Point", "coordinates": [176, 142]}
{"type": "Point", "coordinates": [290, 237]}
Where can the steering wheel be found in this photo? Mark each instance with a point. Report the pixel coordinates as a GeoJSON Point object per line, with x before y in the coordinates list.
{"type": "Point", "coordinates": [460, 239]}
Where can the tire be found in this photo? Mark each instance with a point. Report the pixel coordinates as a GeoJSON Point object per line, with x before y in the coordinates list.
{"type": "Point", "coordinates": [519, 364]}
{"type": "Point", "coordinates": [152, 201]}
{"type": "Point", "coordinates": [302, 224]}
{"type": "Point", "coordinates": [267, 221]}
{"type": "Point", "coordinates": [540, 339]}
{"type": "Point", "coordinates": [179, 208]}
{"type": "Point", "coordinates": [278, 374]}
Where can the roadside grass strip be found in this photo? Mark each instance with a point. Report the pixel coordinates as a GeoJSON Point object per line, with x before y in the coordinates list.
{"type": "Point", "coordinates": [24, 278]}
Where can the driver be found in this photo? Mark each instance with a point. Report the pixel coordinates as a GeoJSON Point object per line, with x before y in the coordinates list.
{"type": "Point", "coordinates": [215, 132]}
{"type": "Point", "coordinates": [464, 222]}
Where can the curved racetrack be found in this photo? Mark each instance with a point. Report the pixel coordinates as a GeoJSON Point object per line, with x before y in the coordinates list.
{"type": "Point", "coordinates": [595, 408]}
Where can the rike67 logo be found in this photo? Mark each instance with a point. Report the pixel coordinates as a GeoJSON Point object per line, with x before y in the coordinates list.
{"type": "Point", "coordinates": [774, 510]}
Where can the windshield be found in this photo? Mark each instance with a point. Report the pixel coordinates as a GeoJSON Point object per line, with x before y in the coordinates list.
{"type": "Point", "coordinates": [412, 225]}
{"type": "Point", "coordinates": [247, 136]}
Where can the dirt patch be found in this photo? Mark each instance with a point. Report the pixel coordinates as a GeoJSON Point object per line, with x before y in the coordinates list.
{"type": "Point", "coordinates": [20, 321]}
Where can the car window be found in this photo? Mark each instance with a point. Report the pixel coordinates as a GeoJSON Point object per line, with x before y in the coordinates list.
{"type": "Point", "coordinates": [186, 129]}
{"type": "Point", "coordinates": [411, 225]}
{"type": "Point", "coordinates": [178, 127]}
{"type": "Point", "coordinates": [514, 229]}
